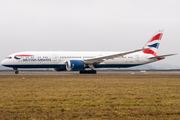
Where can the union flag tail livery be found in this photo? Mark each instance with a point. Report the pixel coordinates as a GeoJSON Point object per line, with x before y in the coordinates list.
{"type": "Point", "coordinates": [153, 43]}
{"type": "Point", "coordinates": [80, 61]}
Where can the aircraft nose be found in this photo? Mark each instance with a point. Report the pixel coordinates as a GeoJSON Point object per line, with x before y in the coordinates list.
{"type": "Point", "coordinates": [3, 62]}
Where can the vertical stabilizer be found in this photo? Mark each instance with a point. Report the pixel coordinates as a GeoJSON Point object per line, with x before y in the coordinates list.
{"type": "Point", "coordinates": [153, 43]}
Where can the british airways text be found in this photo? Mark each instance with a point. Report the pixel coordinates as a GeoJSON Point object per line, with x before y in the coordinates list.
{"type": "Point", "coordinates": [36, 59]}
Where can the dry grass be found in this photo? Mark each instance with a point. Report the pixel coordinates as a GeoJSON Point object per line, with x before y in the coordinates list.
{"type": "Point", "coordinates": [90, 97]}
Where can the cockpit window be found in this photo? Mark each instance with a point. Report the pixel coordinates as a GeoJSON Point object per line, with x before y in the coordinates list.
{"type": "Point", "coordinates": [8, 57]}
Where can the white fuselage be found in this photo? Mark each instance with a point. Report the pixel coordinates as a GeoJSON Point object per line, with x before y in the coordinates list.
{"type": "Point", "coordinates": [57, 59]}
{"type": "Point", "coordinates": [79, 61]}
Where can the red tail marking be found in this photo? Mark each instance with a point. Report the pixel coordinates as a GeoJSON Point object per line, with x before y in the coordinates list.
{"type": "Point", "coordinates": [156, 37]}
{"type": "Point", "coordinates": [160, 58]}
{"type": "Point", "coordinates": [149, 51]}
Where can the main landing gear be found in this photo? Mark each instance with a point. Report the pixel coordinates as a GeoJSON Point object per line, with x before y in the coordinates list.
{"type": "Point", "coordinates": [88, 72]}
{"type": "Point", "coordinates": [16, 70]}
{"type": "Point", "coordinates": [92, 71]}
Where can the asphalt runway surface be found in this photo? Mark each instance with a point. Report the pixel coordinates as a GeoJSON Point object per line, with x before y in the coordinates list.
{"type": "Point", "coordinates": [77, 73]}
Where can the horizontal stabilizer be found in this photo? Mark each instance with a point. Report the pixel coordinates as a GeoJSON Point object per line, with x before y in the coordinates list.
{"type": "Point", "coordinates": [162, 56]}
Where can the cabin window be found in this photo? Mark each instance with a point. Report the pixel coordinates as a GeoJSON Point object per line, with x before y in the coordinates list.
{"type": "Point", "coordinates": [8, 57]}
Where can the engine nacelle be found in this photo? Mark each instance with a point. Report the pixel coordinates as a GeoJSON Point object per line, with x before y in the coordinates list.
{"type": "Point", "coordinates": [74, 65]}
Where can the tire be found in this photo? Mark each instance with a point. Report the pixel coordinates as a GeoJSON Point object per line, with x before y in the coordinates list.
{"type": "Point", "coordinates": [87, 72]}
{"type": "Point", "coordinates": [16, 72]}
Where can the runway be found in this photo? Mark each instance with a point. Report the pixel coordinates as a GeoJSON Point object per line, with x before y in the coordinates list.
{"type": "Point", "coordinates": [77, 73]}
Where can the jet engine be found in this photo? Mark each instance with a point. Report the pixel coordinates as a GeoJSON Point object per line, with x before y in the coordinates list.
{"type": "Point", "coordinates": [74, 65]}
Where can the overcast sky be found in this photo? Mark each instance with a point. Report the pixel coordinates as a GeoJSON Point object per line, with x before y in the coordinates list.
{"type": "Point", "coordinates": [88, 25]}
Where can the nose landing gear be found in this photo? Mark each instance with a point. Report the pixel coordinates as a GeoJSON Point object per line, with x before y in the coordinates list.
{"type": "Point", "coordinates": [16, 70]}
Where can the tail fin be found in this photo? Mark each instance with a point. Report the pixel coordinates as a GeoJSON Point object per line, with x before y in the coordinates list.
{"type": "Point", "coordinates": [153, 43]}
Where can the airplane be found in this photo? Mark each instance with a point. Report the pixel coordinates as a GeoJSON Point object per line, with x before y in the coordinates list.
{"type": "Point", "coordinates": [80, 61]}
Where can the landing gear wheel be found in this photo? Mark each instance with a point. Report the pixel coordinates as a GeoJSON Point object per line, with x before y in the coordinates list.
{"type": "Point", "coordinates": [87, 72]}
{"type": "Point", "coordinates": [94, 71]}
{"type": "Point", "coordinates": [16, 72]}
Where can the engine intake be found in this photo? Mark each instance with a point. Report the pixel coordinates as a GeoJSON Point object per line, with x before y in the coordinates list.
{"type": "Point", "coordinates": [74, 65]}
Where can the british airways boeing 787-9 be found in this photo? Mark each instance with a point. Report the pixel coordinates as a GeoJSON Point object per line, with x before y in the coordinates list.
{"type": "Point", "coordinates": [79, 61]}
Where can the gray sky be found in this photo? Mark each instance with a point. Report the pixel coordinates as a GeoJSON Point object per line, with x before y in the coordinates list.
{"type": "Point", "coordinates": [88, 25]}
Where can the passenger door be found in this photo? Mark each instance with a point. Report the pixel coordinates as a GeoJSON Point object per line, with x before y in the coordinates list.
{"type": "Point", "coordinates": [55, 59]}
{"type": "Point", "coordinates": [137, 59]}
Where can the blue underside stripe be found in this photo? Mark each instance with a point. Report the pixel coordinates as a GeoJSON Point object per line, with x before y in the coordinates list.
{"type": "Point", "coordinates": [64, 66]}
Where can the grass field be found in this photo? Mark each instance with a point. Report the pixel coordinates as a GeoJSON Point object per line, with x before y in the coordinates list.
{"type": "Point", "coordinates": [90, 97]}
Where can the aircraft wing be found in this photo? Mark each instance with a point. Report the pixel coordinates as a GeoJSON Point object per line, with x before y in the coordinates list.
{"type": "Point", "coordinates": [162, 56]}
{"type": "Point", "coordinates": [102, 58]}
